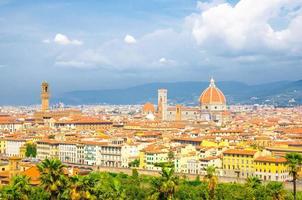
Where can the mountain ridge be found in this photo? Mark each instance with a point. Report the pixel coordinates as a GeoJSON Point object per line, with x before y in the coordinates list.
{"type": "Point", "coordinates": [187, 92]}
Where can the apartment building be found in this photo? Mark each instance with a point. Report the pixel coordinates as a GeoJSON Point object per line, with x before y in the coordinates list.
{"type": "Point", "coordinates": [269, 168]}
{"type": "Point", "coordinates": [47, 149]}
{"type": "Point", "coordinates": [13, 146]}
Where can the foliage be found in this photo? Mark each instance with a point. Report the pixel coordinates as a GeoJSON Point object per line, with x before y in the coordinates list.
{"type": "Point", "coordinates": [294, 161]}
{"type": "Point", "coordinates": [165, 186]}
{"type": "Point", "coordinates": [134, 163]}
{"type": "Point", "coordinates": [211, 179]}
{"type": "Point", "coordinates": [19, 189]}
{"type": "Point", "coordinates": [171, 156]}
{"type": "Point", "coordinates": [52, 178]}
{"type": "Point", "coordinates": [112, 186]}
{"type": "Point", "coordinates": [31, 150]}
{"type": "Point", "coordinates": [276, 190]}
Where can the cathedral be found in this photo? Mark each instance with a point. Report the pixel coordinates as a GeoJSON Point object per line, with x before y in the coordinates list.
{"type": "Point", "coordinates": [212, 107]}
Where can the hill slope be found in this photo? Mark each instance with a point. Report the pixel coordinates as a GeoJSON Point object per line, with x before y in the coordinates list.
{"type": "Point", "coordinates": [279, 93]}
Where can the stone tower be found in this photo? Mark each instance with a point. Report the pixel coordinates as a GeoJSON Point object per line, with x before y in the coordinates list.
{"type": "Point", "coordinates": [162, 104]}
{"type": "Point", "coordinates": [45, 96]}
{"type": "Point", "coordinates": [178, 113]}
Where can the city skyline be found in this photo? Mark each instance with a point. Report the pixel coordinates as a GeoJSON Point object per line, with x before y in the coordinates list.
{"type": "Point", "coordinates": [103, 45]}
{"type": "Point", "coordinates": [151, 100]}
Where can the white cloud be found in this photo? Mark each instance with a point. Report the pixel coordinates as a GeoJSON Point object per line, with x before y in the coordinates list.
{"type": "Point", "coordinates": [2, 66]}
{"type": "Point", "coordinates": [64, 40]}
{"type": "Point", "coordinates": [246, 26]}
{"type": "Point", "coordinates": [129, 39]}
{"type": "Point", "coordinates": [163, 60]}
{"type": "Point", "coordinates": [46, 41]}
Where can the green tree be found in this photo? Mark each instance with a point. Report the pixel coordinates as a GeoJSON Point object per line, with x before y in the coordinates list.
{"type": "Point", "coordinates": [82, 187]}
{"type": "Point", "coordinates": [171, 156]}
{"type": "Point", "coordinates": [52, 177]}
{"type": "Point", "coordinates": [276, 190]}
{"type": "Point", "coordinates": [253, 182]}
{"type": "Point", "coordinates": [212, 180]}
{"type": "Point", "coordinates": [134, 163]}
{"type": "Point", "coordinates": [119, 192]}
{"type": "Point", "coordinates": [165, 186]}
{"type": "Point", "coordinates": [39, 193]}
{"type": "Point", "coordinates": [19, 189]}
{"type": "Point", "coordinates": [31, 150]}
{"type": "Point", "coordinates": [294, 161]}
{"type": "Point", "coordinates": [189, 191]}
{"type": "Point", "coordinates": [135, 174]}
{"type": "Point", "coordinates": [233, 191]}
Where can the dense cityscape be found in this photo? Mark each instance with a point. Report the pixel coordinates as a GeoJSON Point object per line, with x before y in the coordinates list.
{"type": "Point", "coordinates": [237, 141]}
{"type": "Point", "coordinates": [151, 100]}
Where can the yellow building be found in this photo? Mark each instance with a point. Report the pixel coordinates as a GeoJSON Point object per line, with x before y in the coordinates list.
{"type": "Point", "coordinates": [2, 146]}
{"type": "Point", "coordinates": [238, 163]}
{"type": "Point", "coordinates": [22, 150]}
{"type": "Point", "coordinates": [9, 170]}
{"type": "Point", "coordinates": [271, 168]}
{"type": "Point", "coordinates": [152, 155]}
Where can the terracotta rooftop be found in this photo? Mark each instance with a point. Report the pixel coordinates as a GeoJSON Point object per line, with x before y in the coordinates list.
{"type": "Point", "coordinates": [240, 152]}
{"type": "Point", "coordinates": [270, 159]}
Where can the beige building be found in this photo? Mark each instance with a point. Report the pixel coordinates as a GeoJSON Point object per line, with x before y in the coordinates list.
{"type": "Point", "coordinates": [47, 149]}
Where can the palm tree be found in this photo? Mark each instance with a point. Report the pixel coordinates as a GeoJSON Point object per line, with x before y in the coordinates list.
{"type": "Point", "coordinates": [276, 190]}
{"type": "Point", "coordinates": [52, 177]}
{"type": "Point", "coordinates": [74, 187]}
{"type": "Point", "coordinates": [83, 187]}
{"type": "Point", "coordinates": [294, 161]}
{"type": "Point", "coordinates": [165, 187]}
{"type": "Point", "coordinates": [253, 182]}
{"type": "Point", "coordinates": [211, 179]}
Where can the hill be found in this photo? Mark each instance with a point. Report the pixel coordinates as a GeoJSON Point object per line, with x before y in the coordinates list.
{"type": "Point", "coordinates": [281, 93]}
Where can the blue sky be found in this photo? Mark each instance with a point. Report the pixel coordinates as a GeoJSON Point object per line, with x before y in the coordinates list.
{"type": "Point", "coordinates": [76, 45]}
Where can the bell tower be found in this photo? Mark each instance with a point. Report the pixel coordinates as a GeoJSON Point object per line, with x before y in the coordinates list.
{"type": "Point", "coordinates": [162, 104]}
{"type": "Point", "coordinates": [45, 96]}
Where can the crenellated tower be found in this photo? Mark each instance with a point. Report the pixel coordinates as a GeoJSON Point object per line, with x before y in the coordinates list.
{"type": "Point", "coordinates": [45, 96]}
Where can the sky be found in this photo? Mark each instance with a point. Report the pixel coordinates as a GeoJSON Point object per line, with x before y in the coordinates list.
{"type": "Point", "coordinates": [93, 44]}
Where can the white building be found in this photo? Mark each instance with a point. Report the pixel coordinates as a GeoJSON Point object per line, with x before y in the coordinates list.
{"type": "Point", "coordinates": [68, 152]}
{"type": "Point", "coordinates": [109, 155]}
{"type": "Point", "coordinates": [129, 153]}
{"type": "Point", "coordinates": [13, 146]}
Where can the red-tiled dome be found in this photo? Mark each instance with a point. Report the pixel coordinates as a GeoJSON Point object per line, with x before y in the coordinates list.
{"type": "Point", "coordinates": [148, 107]}
{"type": "Point", "coordinates": [212, 95]}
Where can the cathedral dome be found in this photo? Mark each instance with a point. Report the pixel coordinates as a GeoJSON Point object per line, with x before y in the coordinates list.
{"type": "Point", "coordinates": [212, 95]}
{"type": "Point", "coordinates": [148, 108]}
